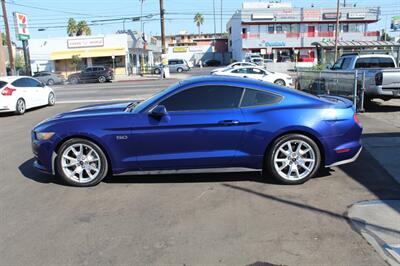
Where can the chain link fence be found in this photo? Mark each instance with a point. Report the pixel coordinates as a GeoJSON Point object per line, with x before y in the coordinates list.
{"type": "Point", "coordinates": [348, 84]}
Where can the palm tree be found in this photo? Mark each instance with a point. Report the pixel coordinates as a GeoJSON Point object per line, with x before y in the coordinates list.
{"type": "Point", "coordinates": [83, 28]}
{"type": "Point", "coordinates": [199, 20]}
{"type": "Point", "coordinates": [72, 27]}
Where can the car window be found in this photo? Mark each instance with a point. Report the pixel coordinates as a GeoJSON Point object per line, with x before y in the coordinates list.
{"type": "Point", "coordinates": [20, 83]}
{"type": "Point", "coordinates": [367, 62]}
{"type": "Point", "coordinates": [204, 98]}
{"type": "Point", "coordinates": [172, 62]}
{"type": "Point", "coordinates": [255, 71]}
{"type": "Point", "coordinates": [180, 62]}
{"type": "Point", "coordinates": [2, 84]}
{"type": "Point", "coordinates": [346, 63]}
{"type": "Point", "coordinates": [338, 64]}
{"type": "Point", "coordinates": [240, 70]}
{"type": "Point", "coordinates": [386, 62]}
{"type": "Point", "coordinates": [33, 83]}
{"type": "Point", "coordinates": [257, 98]}
{"type": "Point", "coordinates": [38, 75]}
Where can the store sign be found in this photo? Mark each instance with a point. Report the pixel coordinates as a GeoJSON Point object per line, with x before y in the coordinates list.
{"type": "Point", "coordinates": [275, 44]}
{"type": "Point", "coordinates": [195, 49]}
{"type": "Point", "coordinates": [355, 15]}
{"type": "Point", "coordinates": [21, 26]}
{"type": "Point", "coordinates": [330, 15]}
{"type": "Point", "coordinates": [311, 14]}
{"type": "Point", "coordinates": [269, 50]}
{"type": "Point", "coordinates": [262, 16]}
{"type": "Point", "coordinates": [180, 49]}
{"type": "Point", "coordinates": [86, 42]}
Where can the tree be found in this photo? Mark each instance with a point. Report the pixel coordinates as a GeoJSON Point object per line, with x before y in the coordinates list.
{"type": "Point", "coordinates": [199, 20]}
{"type": "Point", "coordinates": [77, 62]}
{"type": "Point", "coordinates": [83, 28]}
{"type": "Point", "coordinates": [72, 27]}
{"type": "Point", "coordinates": [386, 37]}
{"type": "Point", "coordinates": [3, 39]}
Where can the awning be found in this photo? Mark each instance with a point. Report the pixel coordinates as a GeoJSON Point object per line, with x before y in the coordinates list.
{"type": "Point", "coordinates": [87, 53]}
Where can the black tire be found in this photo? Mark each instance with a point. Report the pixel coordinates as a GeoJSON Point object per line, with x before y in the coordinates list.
{"type": "Point", "coordinates": [280, 82]}
{"type": "Point", "coordinates": [103, 160]}
{"type": "Point", "coordinates": [101, 79]}
{"type": "Point", "coordinates": [20, 107]}
{"type": "Point", "coordinates": [269, 161]}
{"type": "Point", "coordinates": [51, 99]}
{"type": "Point", "coordinates": [50, 82]}
{"type": "Point", "coordinates": [179, 70]}
{"type": "Point", "coordinates": [157, 71]}
{"type": "Point", "coordinates": [74, 80]}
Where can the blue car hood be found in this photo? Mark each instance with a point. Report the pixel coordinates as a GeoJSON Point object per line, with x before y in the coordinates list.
{"type": "Point", "coordinates": [94, 110]}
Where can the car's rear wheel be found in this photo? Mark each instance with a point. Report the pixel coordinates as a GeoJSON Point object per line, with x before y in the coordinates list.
{"type": "Point", "coordinates": [51, 99]}
{"type": "Point", "coordinates": [20, 107]}
{"type": "Point", "coordinates": [102, 79]}
{"type": "Point", "coordinates": [280, 82]}
{"type": "Point", "coordinates": [81, 163]}
{"type": "Point", "coordinates": [50, 82]}
{"type": "Point", "coordinates": [157, 71]}
{"type": "Point", "coordinates": [293, 159]}
{"type": "Point", "coordinates": [179, 69]}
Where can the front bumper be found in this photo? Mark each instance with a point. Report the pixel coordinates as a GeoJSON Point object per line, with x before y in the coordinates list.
{"type": "Point", "coordinates": [43, 152]}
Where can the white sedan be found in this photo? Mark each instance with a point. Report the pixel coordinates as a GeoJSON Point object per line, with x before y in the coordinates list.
{"type": "Point", "coordinates": [258, 73]}
{"type": "Point", "coordinates": [233, 65]}
{"type": "Point", "coordinates": [19, 93]}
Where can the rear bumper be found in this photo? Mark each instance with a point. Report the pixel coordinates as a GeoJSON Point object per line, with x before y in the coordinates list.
{"type": "Point", "coordinates": [346, 161]}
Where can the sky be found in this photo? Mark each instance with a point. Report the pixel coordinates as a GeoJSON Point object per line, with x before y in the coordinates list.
{"type": "Point", "coordinates": [51, 16]}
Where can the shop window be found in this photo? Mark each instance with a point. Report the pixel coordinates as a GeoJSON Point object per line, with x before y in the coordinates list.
{"type": "Point", "coordinates": [331, 28]}
{"type": "Point", "coordinates": [119, 61]}
{"type": "Point", "coordinates": [270, 28]}
{"type": "Point", "coordinates": [244, 30]}
{"type": "Point", "coordinates": [286, 27]}
{"type": "Point", "coordinates": [279, 28]}
{"type": "Point", "coordinates": [345, 27]}
{"type": "Point", "coordinates": [295, 28]}
{"type": "Point", "coordinates": [323, 27]}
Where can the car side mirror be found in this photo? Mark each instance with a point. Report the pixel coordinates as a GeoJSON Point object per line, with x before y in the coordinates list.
{"type": "Point", "coordinates": [158, 112]}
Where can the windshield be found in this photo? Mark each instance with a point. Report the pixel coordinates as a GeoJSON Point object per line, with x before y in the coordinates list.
{"type": "Point", "coordinates": [140, 106]}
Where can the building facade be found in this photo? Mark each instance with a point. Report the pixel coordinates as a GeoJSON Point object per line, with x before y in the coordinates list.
{"type": "Point", "coordinates": [124, 52]}
{"type": "Point", "coordinates": [284, 33]}
{"type": "Point", "coordinates": [198, 47]}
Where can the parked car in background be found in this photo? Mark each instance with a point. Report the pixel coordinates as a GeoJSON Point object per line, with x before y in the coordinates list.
{"type": "Point", "coordinates": [233, 65]}
{"type": "Point", "coordinates": [200, 124]}
{"type": "Point", "coordinates": [92, 74]}
{"type": "Point", "coordinates": [49, 78]}
{"type": "Point", "coordinates": [174, 65]}
{"type": "Point", "coordinates": [212, 62]}
{"type": "Point", "coordinates": [19, 93]}
{"type": "Point", "coordinates": [254, 58]}
{"type": "Point", "coordinates": [381, 73]}
{"type": "Point", "coordinates": [258, 73]}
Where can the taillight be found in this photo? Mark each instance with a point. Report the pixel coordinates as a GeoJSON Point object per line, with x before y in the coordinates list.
{"type": "Point", "coordinates": [378, 78]}
{"type": "Point", "coordinates": [357, 120]}
{"type": "Point", "coordinates": [7, 91]}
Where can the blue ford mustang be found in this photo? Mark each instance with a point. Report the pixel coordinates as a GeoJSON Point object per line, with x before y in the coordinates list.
{"type": "Point", "coordinates": [202, 123]}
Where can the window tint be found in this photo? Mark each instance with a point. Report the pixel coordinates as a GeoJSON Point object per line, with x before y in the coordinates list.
{"type": "Point", "coordinates": [20, 83]}
{"type": "Point", "coordinates": [180, 61]}
{"type": "Point", "coordinates": [256, 98]}
{"type": "Point", "coordinates": [367, 62]}
{"type": "Point", "coordinates": [346, 63]}
{"type": "Point", "coordinates": [240, 70]}
{"type": "Point", "coordinates": [2, 84]}
{"type": "Point", "coordinates": [32, 83]}
{"type": "Point", "coordinates": [204, 98]}
{"type": "Point", "coordinates": [255, 71]}
{"type": "Point", "coordinates": [386, 62]}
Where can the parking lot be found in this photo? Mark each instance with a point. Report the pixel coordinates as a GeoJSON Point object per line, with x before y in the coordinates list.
{"type": "Point", "coordinates": [205, 219]}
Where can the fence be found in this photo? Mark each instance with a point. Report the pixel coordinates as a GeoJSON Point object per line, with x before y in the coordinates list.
{"type": "Point", "coordinates": [350, 85]}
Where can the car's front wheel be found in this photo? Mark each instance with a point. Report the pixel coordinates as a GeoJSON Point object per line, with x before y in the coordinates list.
{"type": "Point", "coordinates": [51, 99]}
{"type": "Point", "coordinates": [157, 71]}
{"type": "Point", "coordinates": [102, 79]}
{"type": "Point", "coordinates": [179, 69]}
{"type": "Point", "coordinates": [50, 82]}
{"type": "Point", "coordinates": [74, 80]}
{"type": "Point", "coordinates": [293, 159]}
{"type": "Point", "coordinates": [81, 163]}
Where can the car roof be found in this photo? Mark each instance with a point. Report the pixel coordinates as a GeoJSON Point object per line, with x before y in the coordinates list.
{"type": "Point", "coordinates": [367, 55]}
{"type": "Point", "coordinates": [10, 79]}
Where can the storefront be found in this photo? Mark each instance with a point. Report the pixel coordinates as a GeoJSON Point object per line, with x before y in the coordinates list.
{"type": "Point", "coordinates": [68, 55]}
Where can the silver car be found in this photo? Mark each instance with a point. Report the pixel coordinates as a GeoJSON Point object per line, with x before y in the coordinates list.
{"type": "Point", "coordinates": [49, 78]}
{"type": "Point", "coordinates": [174, 65]}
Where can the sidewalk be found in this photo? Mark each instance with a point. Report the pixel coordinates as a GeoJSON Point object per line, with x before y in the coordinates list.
{"type": "Point", "coordinates": [126, 78]}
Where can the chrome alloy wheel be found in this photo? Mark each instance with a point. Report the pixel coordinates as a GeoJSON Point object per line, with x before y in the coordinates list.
{"type": "Point", "coordinates": [80, 163]}
{"type": "Point", "coordinates": [294, 160]}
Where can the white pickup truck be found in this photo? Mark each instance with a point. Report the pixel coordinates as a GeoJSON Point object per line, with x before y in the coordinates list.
{"type": "Point", "coordinates": [382, 77]}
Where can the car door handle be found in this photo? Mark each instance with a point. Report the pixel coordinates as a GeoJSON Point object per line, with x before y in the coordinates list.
{"type": "Point", "coordinates": [229, 122]}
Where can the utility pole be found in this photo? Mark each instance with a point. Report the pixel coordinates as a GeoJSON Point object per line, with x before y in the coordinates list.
{"type": "Point", "coordinates": [337, 30]}
{"type": "Point", "coordinates": [215, 29]}
{"type": "Point", "coordinates": [8, 37]}
{"type": "Point", "coordinates": [221, 18]}
{"type": "Point", "coordinates": [164, 56]}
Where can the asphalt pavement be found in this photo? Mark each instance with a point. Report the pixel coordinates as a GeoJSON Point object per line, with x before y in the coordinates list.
{"type": "Point", "coordinates": [207, 219]}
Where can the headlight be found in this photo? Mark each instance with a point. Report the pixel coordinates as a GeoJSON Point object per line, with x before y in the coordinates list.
{"type": "Point", "coordinates": [43, 135]}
